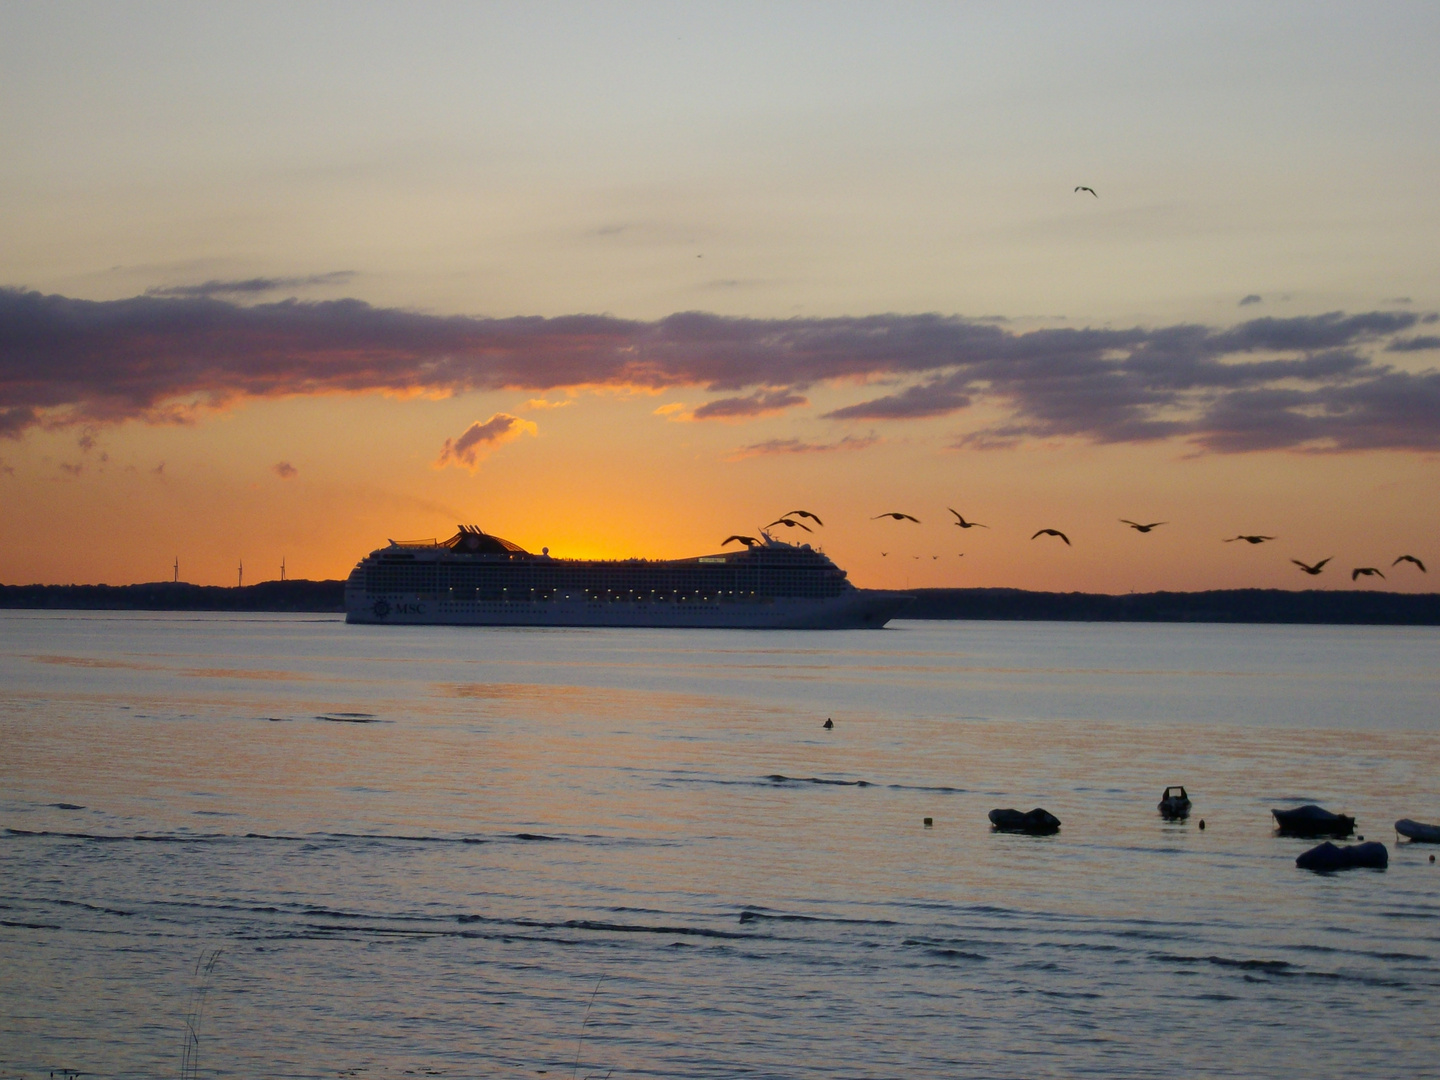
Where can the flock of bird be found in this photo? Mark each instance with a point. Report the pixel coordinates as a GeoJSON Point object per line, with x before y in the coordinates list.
{"type": "Point", "coordinates": [790, 519]}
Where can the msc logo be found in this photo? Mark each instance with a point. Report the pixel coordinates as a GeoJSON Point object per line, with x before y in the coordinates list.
{"type": "Point", "coordinates": [410, 609]}
{"type": "Point", "coordinates": [381, 609]}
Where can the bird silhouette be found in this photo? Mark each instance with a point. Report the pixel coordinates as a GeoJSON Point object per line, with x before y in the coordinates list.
{"type": "Point", "coordinates": [805, 514]}
{"type": "Point", "coordinates": [1368, 571]}
{"type": "Point", "coordinates": [1142, 528]}
{"type": "Point", "coordinates": [1411, 558]}
{"type": "Point", "coordinates": [789, 524]}
{"type": "Point", "coordinates": [883, 554]}
{"type": "Point", "coordinates": [748, 541]}
{"type": "Point", "coordinates": [1249, 539]}
{"type": "Point", "coordinates": [962, 523]}
{"type": "Point", "coordinates": [1053, 532]}
{"type": "Point", "coordinates": [897, 516]}
{"type": "Point", "coordinates": [1082, 187]}
{"type": "Point", "coordinates": [1312, 570]}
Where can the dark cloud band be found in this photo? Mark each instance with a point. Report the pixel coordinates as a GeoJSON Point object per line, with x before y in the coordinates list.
{"type": "Point", "coordinates": [1265, 383]}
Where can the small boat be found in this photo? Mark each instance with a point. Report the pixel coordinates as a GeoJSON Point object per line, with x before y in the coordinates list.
{"type": "Point", "coordinates": [1418, 831]}
{"type": "Point", "coordinates": [1311, 820]}
{"type": "Point", "coordinates": [1037, 822]}
{"type": "Point", "coordinates": [1329, 857]}
{"type": "Point", "coordinates": [1174, 803]}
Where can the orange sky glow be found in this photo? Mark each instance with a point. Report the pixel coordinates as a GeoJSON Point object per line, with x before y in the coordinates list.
{"type": "Point", "coordinates": [623, 284]}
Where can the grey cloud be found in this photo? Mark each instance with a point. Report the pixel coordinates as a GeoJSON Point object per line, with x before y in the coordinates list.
{"type": "Point", "coordinates": [1419, 343]}
{"type": "Point", "coordinates": [926, 399]}
{"type": "Point", "coordinates": [798, 446]}
{"type": "Point", "coordinates": [14, 420]}
{"type": "Point", "coordinates": [1297, 382]}
{"type": "Point", "coordinates": [760, 403]}
{"type": "Point", "coordinates": [250, 286]}
{"type": "Point", "coordinates": [1253, 298]}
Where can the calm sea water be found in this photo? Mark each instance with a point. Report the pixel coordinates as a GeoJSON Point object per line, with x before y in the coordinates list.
{"type": "Point", "coordinates": [631, 853]}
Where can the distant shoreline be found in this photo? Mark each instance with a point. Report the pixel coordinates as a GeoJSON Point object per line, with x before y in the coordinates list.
{"type": "Point", "coordinates": [1357, 608]}
{"type": "Point", "coordinates": [1317, 606]}
{"type": "Point", "coordinates": [300, 596]}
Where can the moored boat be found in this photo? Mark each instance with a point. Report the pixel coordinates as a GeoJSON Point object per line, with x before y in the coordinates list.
{"type": "Point", "coordinates": [1174, 803]}
{"type": "Point", "coordinates": [1312, 820]}
{"type": "Point", "coordinates": [1418, 831]}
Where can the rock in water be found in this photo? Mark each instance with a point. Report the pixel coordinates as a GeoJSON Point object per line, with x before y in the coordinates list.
{"type": "Point", "coordinates": [1037, 822]}
{"type": "Point", "coordinates": [1328, 856]}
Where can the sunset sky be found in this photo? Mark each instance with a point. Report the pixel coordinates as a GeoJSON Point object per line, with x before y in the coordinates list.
{"type": "Point", "coordinates": [284, 281]}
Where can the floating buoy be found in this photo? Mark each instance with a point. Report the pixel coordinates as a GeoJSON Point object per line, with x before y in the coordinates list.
{"type": "Point", "coordinates": [1202, 824]}
{"type": "Point", "coordinates": [828, 724]}
{"type": "Point", "coordinates": [1432, 858]}
{"type": "Point", "coordinates": [931, 821]}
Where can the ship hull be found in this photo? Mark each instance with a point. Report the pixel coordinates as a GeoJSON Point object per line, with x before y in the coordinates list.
{"type": "Point", "coordinates": [856, 609]}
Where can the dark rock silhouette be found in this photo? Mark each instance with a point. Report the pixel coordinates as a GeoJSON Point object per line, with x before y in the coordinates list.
{"type": "Point", "coordinates": [1037, 822]}
{"type": "Point", "coordinates": [1329, 857]}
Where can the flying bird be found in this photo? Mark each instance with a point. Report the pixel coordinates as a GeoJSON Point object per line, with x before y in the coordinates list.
{"type": "Point", "coordinates": [883, 554]}
{"type": "Point", "coordinates": [748, 541]}
{"type": "Point", "coordinates": [1312, 570]}
{"type": "Point", "coordinates": [1249, 539]}
{"type": "Point", "coordinates": [789, 524]}
{"type": "Point", "coordinates": [1082, 187]}
{"type": "Point", "coordinates": [1142, 528]}
{"type": "Point", "coordinates": [1411, 558]}
{"type": "Point", "coordinates": [805, 514]}
{"type": "Point", "coordinates": [1053, 532]}
{"type": "Point", "coordinates": [897, 516]}
{"type": "Point", "coordinates": [1368, 571]}
{"type": "Point", "coordinates": [962, 523]}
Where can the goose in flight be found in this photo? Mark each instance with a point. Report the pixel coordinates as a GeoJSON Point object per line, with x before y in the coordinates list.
{"type": "Point", "coordinates": [1142, 528]}
{"type": "Point", "coordinates": [1312, 570]}
{"type": "Point", "coordinates": [1368, 571]}
{"type": "Point", "coordinates": [1082, 187]}
{"type": "Point", "coordinates": [1053, 532]}
{"type": "Point", "coordinates": [962, 523]}
{"type": "Point", "coordinates": [748, 541]}
{"type": "Point", "coordinates": [1249, 539]}
{"type": "Point", "coordinates": [897, 516]}
{"type": "Point", "coordinates": [1411, 558]}
{"type": "Point", "coordinates": [805, 514]}
{"type": "Point", "coordinates": [789, 524]}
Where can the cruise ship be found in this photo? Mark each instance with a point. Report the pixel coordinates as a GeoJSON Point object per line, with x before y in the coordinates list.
{"type": "Point", "coordinates": [476, 579]}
